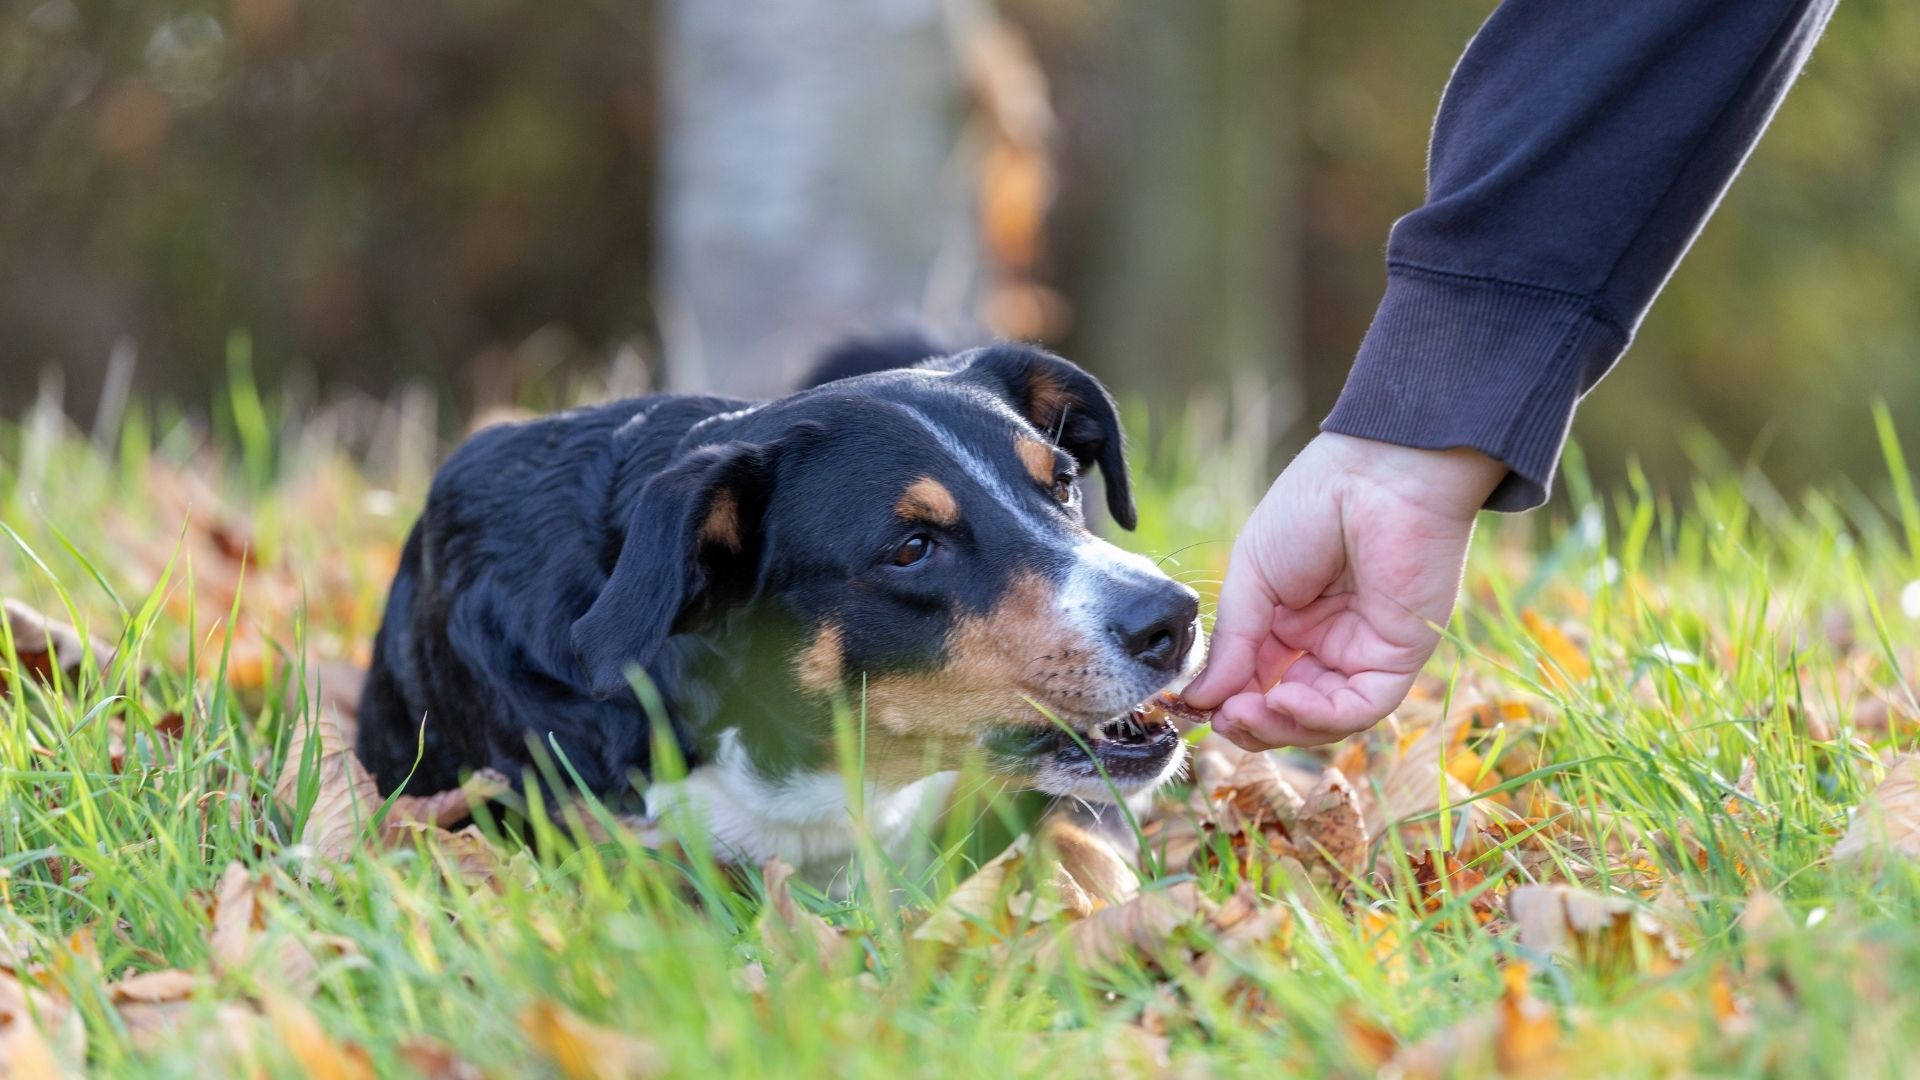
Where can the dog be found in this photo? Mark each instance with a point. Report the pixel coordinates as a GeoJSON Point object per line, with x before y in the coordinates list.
{"type": "Point", "coordinates": [904, 542]}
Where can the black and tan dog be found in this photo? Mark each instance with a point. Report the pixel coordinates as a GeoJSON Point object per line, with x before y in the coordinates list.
{"type": "Point", "coordinates": [909, 543]}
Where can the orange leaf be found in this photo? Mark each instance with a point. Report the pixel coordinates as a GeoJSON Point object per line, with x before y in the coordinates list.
{"type": "Point", "coordinates": [1568, 665]}
{"type": "Point", "coordinates": [583, 1050]}
{"type": "Point", "coordinates": [299, 1031]}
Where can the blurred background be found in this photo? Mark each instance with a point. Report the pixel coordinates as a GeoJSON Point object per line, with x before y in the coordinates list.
{"type": "Point", "coordinates": [495, 200]}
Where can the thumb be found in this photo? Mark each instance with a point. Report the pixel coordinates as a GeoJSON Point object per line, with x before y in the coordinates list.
{"type": "Point", "coordinates": [1242, 622]}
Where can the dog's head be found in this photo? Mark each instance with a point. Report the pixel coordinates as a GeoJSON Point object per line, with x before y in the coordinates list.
{"type": "Point", "coordinates": [920, 538]}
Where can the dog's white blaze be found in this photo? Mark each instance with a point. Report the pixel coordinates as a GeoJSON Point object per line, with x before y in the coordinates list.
{"type": "Point", "coordinates": [1085, 605]}
{"type": "Point", "coordinates": [984, 475]}
{"type": "Point", "coordinates": [803, 818]}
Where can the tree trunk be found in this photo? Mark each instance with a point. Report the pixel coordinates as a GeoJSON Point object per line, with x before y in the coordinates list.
{"type": "Point", "coordinates": [807, 187]}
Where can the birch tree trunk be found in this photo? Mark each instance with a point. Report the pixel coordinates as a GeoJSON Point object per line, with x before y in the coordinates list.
{"type": "Point", "coordinates": [807, 186]}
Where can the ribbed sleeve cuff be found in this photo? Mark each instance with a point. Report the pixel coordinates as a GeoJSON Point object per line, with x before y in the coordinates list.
{"type": "Point", "coordinates": [1453, 360]}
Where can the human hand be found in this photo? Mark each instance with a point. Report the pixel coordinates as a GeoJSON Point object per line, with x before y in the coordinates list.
{"type": "Point", "coordinates": [1337, 588]}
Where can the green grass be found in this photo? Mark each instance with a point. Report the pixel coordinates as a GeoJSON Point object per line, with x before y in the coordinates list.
{"type": "Point", "coordinates": [1748, 632]}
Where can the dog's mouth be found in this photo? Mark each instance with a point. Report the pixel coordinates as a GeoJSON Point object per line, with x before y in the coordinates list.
{"type": "Point", "coordinates": [1100, 761]}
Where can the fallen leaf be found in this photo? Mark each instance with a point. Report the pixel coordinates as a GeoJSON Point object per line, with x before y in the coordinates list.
{"type": "Point", "coordinates": [1383, 940]}
{"type": "Point", "coordinates": [1562, 663]}
{"type": "Point", "coordinates": [239, 932]}
{"type": "Point", "coordinates": [1888, 820]}
{"type": "Point", "coordinates": [1241, 933]}
{"type": "Point", "coordinates": [1366, 1039]}
{"type": "Point", "coordinates": [1091, 865]}
{"type": "Point", "coordinates": [222, 1031]}
{"type": "Point", "coordinates": [347, 800]}
{"type": "Point", "coordinates": [1133, 1051]}
{"type": "Point", "coordinates": [976, 910]}
{"type": "Point", "coordinates": [1331, 827]}
{"type": "Point", "coordinates": [1516, 1036]}
{"type": "Point", "coordinates": [583, 1050]}
{"type": "Point", "coordinates": [37, 1030]}
{"type": "Point", "coordinates": [1612, 935]}
{"type": "Point", "coordinates": [1438, 877]}
{"type": "Point", "coordinates": [45, 646]}
{"type": "Point", "coordinates": [298, 1031]}
{"type": "Point", "coordinates": [468, 854]}
{"type": "Point", "coordinates": [1763, 921]}
{"type": "Point", "coordinates": [795, 934]}
{"type": "Point", "coordinates": [1142, 927]}
{"type": "Point", "coordinates": [154, 986]}
{"type": "Point", "coordinates": [1418, 784]}
{"type": "Point", "coordinates": [435, 1060]}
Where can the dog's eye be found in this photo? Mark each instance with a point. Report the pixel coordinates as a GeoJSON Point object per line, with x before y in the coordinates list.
{"type": "Point", "coordinates": [1063, 489]}
{"type": "Point", "coordinates": [917, 547]}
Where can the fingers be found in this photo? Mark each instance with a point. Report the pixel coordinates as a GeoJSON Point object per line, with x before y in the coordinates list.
{"type": "Point", "coordinates": [1247, 722]}
{"type": "Point", "coordinates": [1240, 626]}
{"type": "Point", "coordinates": [1337, 706]}
{"type": "Point", "coordinates": [1310, 707]}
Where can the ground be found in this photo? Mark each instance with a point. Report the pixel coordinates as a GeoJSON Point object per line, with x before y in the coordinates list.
{"type": "Point", "coordinates": [1646, 813]}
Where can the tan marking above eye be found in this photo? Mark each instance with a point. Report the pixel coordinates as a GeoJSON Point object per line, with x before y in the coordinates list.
{"type": "Point", "coordinates": [722, 525]}
{"type": "Point", "coordinates": [927, 499]}
{"type": "Point", "coordinates": [1039, 458]}
{"type": "Point", "coordinates": [818, 667]}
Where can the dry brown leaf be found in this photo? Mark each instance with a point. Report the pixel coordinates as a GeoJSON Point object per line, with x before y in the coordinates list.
{"type": "Point", "coordinates": [977, 908]}
{"type": "Point", "coordinates": [1610, 934]}
{"type": "Point", "coordinates": [221, 1032]}
{"type": "Point", "coordinates": [583, 1050]}
{"type": "Point", "coordinates": [1244, 931]}
{"type": "Point", "coordinates": [795, 934]}
{"type": "Point", "coordinates": [1175, 837]}
{"type": "Point", "coordinates": [1256, 793]}
{"type": "Point", "coordinates": [1213, 760]}
{"type": "Point", "coordinates": [239, 932]}
{"type": "Point", "coordinates": [1761, 923]}
{"type": "Point", "coordinates": [1419, 782]}
{"type": "Point", "coordinates": [1331, 828]}
{"type": "Point", "coordinates": [435, 1060]}
{"type": "Point", "coordinates": [1439, 876]}
{"type": "Point", "coordinates": [1299, 885]}
{"type": "Point", "coordinates": [299, 1032]}
{"type": "Point", "coordinates": [1517, 1036]}
{"type": "Point", "coordinates": [347, 800]}
{"type": "Point", "coordinates": [1142, 927]}
{"type": "Point", "coordinates": [37, 1030]}
{"type": "Point", "coordinates": [1133, 1051]}
{"type": "Point", "coordinates": [1888, 820]}
{"type": "Point", "coordinates": [45, 645]}
{"type": "Point", "coordinates": [154, 986]}
{"type": "Point", "coordinates": [1370, 1042]}
{"type": "Point", "coordinates": [468, 854]}
{"type": "Point", "coordinates": [1089, 870]}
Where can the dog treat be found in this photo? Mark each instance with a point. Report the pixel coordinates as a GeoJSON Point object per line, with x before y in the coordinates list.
{"type": "Point", "coordinates": [1168, 706]}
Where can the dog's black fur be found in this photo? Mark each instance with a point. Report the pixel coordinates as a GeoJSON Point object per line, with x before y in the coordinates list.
{"type": "Point", "coordinates": [743, 556]}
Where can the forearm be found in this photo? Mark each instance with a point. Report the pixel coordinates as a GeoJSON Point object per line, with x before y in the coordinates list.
{"type": "Point", "coordinates": [1578, 150]}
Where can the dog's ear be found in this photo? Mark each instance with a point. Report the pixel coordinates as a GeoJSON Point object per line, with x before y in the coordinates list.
{"type": "Point", "coordinates": [1068, 405]}
{"type": "Point", "coordinates": [687, 519]}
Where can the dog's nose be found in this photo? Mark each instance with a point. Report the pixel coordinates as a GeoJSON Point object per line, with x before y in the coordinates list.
{"type": "Point", "coordinates": [1157, 626]}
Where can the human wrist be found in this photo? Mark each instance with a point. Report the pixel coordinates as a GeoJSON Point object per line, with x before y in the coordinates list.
{"type": "Point", "coordinates": [1454, 481]}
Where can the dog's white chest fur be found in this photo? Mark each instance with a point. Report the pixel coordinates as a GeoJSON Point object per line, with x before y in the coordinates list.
{"type": "Point", "coordinates": [803, 818]}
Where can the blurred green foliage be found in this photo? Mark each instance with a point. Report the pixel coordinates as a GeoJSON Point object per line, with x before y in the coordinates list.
{"type": "Point", "coordinates": [372, 190]}
{"type": "Point", "coordinates": [462, 191]}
